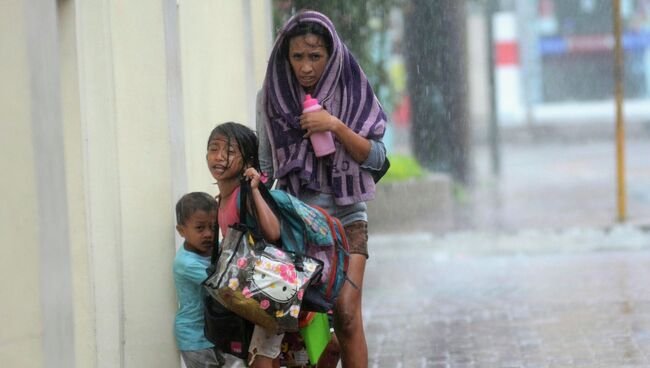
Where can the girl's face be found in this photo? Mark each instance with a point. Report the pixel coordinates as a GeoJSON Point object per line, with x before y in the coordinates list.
{"type": "Point", "coordinates": [308, 57]}
{"type": "Point", "coordinates": [224, 160]}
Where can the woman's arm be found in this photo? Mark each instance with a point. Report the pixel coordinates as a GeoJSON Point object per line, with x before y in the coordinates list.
{"type": "Point", "coordinates": [266, 219]}
{"type": "Point", "coordinates": [264, 151]}
{"type": "Point", "coordinates": [376, 157]}
{"type": "Point", "coordinates": [357, 146]}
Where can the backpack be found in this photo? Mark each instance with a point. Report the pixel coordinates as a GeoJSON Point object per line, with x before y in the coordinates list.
{"type": "Point", "coordinates": [311, 231]}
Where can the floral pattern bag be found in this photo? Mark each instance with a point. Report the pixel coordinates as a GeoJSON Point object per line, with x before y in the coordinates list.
{"type": "Point", "coordinates": [257, 280]}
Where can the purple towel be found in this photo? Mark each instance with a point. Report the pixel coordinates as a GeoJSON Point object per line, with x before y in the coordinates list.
{"type": "Point", "coordinates": [344, 92]}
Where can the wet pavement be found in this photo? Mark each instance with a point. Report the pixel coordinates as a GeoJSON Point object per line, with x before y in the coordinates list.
{"type": "Point", "coordinates": [558, 184]}
{"type": "Point", "coordinates": [528, 270]}
{"type": "Point", "coordinates": [544, 185]}
{"type": "Point", "coordinates": [428, 304]}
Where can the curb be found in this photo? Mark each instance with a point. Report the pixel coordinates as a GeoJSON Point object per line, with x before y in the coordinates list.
{"type": "Point", "coordinates": [408, 202]}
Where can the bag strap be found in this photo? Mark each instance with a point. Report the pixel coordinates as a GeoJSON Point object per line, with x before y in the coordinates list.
{"type": "Point", "coordinates": [268, 198]}
{"type": "Point", "coordinates": [246, 197]}
{"type": "Point", "coordinates": [243, 210]}
{"type": "Point", "coordinates": [335, 261]}
{"type": "Point", "coordinates": [244, 194]}
{"type": "Point", "coordinates": [244, 213]}
{"type": "Point", "coordinates": [215, 248]}
{"type": "Point", "coordinates": [378, 174]}
{"type": "Point", "coordinates": [334, 223]}
{"type": "Point", "coordinates": [284, 221]}
{"type": "Point", "coordinates": [232, 256]}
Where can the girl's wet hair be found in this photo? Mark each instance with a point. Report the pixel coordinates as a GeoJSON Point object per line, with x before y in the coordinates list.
{"type": "Point", "coordinates": [305, 28]}
{"type": "Point", "coordinates": [192, 202]}
{"type": "Point", "coordinates": [243, 137]}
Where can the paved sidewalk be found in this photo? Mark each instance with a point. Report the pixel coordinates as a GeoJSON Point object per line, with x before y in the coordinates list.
{"type": "Point", "coordinates": [530, 270]}
{"type": "Point", "coordinates": [429, 304]}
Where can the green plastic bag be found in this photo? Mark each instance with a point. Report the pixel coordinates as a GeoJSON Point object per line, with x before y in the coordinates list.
{"type": "Point", "coordinates": [315, 330]}
{"type": "Point", "coordinates": [304, 348]}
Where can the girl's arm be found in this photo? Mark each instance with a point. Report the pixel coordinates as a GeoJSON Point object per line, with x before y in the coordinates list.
{"type": "Point", "coordinates": [357, 146]}
{"type": "Point", "coordinates": [266, 219]}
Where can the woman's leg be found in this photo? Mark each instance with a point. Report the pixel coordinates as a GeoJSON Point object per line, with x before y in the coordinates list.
{"type": "Point", "coordinates": [348, 322]}
{"type": "Point", "coordinates": [331, 356]}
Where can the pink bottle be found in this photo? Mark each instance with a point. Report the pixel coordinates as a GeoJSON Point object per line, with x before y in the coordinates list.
{"type": "Point", "coordinates": [322, 142]}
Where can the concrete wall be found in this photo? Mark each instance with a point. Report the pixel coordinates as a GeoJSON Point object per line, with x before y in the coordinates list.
{"type": "Point", "coordinates": [222, 71]}
{"type": "Point", "coordinates": [105, 109]}
{"type": "Point", "coordinates": [20, 305]}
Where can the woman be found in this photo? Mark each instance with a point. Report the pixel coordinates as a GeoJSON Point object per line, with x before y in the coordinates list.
{"type": "Point", "coordinates": [309, 58]}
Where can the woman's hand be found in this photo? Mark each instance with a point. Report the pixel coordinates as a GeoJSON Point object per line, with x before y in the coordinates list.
{"type": "Point", "coordinates": [318, 121]}
{"type": "Point", "coordinates": [253, 176]}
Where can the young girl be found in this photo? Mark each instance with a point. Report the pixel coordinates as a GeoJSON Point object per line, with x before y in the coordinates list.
{"type": "Point", "coordinates": [232, 154]}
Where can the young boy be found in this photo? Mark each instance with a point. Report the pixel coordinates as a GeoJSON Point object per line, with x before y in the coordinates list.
{"type": "Point", "coordinates": [196, 215]}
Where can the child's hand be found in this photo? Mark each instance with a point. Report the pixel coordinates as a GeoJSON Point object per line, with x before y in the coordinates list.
{"type": "Point", "coordinates": [253, 176]}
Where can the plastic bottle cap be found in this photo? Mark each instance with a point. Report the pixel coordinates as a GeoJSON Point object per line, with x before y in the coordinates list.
{"type": "Point", "coordinates": [309, 102]}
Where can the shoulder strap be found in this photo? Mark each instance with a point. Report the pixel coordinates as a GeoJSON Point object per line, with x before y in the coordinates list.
{"type": "Point", "coordinates": [268, 198]}
{"type": "Point", "coordinates": [215, 248]}
{"type": "Point", "coordinates": [246, 198]}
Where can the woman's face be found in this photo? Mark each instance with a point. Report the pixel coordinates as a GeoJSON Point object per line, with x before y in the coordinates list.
{"type": "Point", "coordinates": [308, 57]}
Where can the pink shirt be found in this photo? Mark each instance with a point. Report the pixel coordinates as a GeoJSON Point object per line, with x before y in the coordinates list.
{"type": "Point", "coordinates": [229, 215]}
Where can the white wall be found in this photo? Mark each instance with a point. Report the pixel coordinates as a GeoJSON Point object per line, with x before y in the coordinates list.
{"type": "Point", "coordinates": [224, 49]}
{"type": "Point", "coordinates": [90, 131]}
{"type": "Point", "coordinates": [20, 303]}
{"type": "Point", "coordinates": [84, 341]}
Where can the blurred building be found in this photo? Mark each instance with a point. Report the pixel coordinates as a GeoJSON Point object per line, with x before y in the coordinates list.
{"type": "Point", "coordinates": [554, 61]}
{"type": "Point", "coordinates": [105, 112]}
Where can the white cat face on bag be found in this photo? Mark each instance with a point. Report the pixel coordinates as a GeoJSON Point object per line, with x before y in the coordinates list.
{"type": "Point", "coordinates": [268, 280]}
